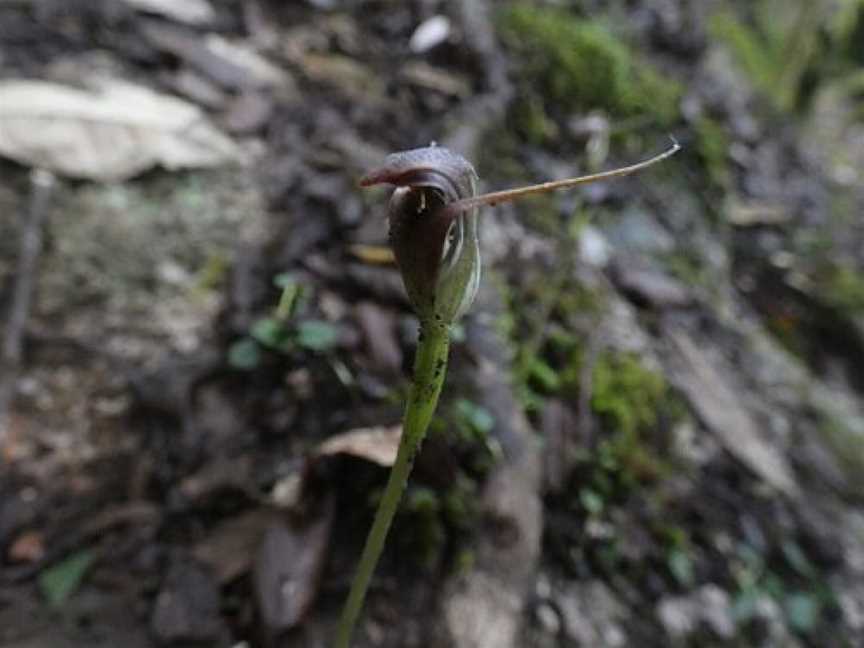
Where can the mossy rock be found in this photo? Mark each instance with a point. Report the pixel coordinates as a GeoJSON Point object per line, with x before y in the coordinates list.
{"type": "Point", "coordinates": [579, 64]}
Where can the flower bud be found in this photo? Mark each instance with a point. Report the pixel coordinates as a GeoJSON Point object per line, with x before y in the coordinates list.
{"type": "Point", "coordinates": [437, 249]}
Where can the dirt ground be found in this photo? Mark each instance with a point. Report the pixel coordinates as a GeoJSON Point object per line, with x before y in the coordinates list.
{"type": "Point", "coordinates": [652, 429]}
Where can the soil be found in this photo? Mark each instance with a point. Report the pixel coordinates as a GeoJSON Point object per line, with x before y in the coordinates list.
{"type": "Point", "coordinates": [650, 432]}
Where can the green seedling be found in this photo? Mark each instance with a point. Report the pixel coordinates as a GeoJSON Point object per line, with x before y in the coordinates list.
{"type": "Point", "coordinates": [280, 332]}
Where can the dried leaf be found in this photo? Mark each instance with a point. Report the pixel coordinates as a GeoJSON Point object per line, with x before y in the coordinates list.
{"type": "Point", "coordinates": [373, 254]}
{"type": "Point", "coordinates": [110, 133]}
{"type": "Point", "coordinates": [29, 547]}
{"type": "Point", "coordinates": [377, 444]}
{"type": "Point", "coordinates": [288, 569]}
{"type": "Point", "coordinates": [229, 548]}
{"type": "Point", "coordinates": [191, 12]}
{"type": "Point", "coordinates": [429, 34]}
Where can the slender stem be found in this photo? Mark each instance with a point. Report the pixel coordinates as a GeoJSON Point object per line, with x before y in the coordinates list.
{"type": "Point", "coordinates": [508, 195]}
{"type": "Point", "coordinates": [430, 365]}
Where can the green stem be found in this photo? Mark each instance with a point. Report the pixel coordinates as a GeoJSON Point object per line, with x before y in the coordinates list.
{"type": "Point", "coordinates": [430, 365]}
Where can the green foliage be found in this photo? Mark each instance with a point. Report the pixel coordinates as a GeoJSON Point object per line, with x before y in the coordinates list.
{"type": "Point", "coordinates": [805, 597]}
{"type": "Point", "coordinates": [780, 43]}
{"type": "Point", "coordinates": [802, 611]}
{"type": "Point", "coordinates": [843, 288]}
{"type": "Point", "coordinates": [59, 582]}
{"type": "Point", "coordinates": [426, 533]}
{"type": "Point", "coordinates": [433, 520]}
{"type": "Point", "coordinates": [279, 332]}
{"type": "Point", "coordinates": [244, 354]}
{"type": "Point", "coordinates": [680, 565]}
{"type": "Point", "coordinates": [626, 394]}
{"type": "Point", "coordinates": [477, 420]}
{"type": "Point", "coordinates": [712, 145]}
{"type": "Point", "coordinates": [580, 64]}
{"type": "Point", "coordinates": [316, 335]}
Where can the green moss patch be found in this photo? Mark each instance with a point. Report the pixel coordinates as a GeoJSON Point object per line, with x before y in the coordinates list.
{"type": "Point", "coordinates": [578, 64]}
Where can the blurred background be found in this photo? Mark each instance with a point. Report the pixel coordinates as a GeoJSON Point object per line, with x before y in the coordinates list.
{"type": "Point", "coordinates": [651, 433]}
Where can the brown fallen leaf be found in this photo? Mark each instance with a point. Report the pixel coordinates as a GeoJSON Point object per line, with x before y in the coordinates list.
{"type": "Point", "coordinates": [29, 547]}
{"type": "Point", "coordinates": [110, 133]}
{"type": "Point", "coordinates": [376, 444]}
{"type": "Point", "coordinates": [288, 569]}
{"type": "Point", "coordinates": [428, 77]}
{"type": "Point", "coordinates": [230, 547]}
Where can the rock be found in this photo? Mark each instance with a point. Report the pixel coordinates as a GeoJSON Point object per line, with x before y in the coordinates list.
{"type": "Point", "coordinates": [720, 406]}
{"type": "Point", "coordinates": [709, 606]}
{"type": "Point", "coordinates": [594, 249]}
{"type": "Point", "coordinates": [187, 607]}
{"type": "Point", "coordinates": [248, 113]}
{"type": "Point", "coordinates": [548, 619]}
{"type": "Point", "coordinates": [592, 615]}
{"type": "Point", "coordinates": [639, 232]}
{"type": "Point", "coordinates": [648, 286]}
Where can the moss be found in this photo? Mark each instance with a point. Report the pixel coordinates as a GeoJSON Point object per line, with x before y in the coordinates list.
{"type": "Point", "coordinates": [847, 446]}
{"type": "Point", "coordinates": [435, 523]}
{"type": "Point", "coordinates": [632, 403]}
{"type": "Point", "coordinates": [843, 288]}
{"type": "Point", "coordinates": [531, 121]}
{"type": "Point", "coordinates": [685, 265]}
{"type": "Point", "coordinates": [425, 532]}
{"type": "Point", "coordinates": [580, 64]}
{"type": "Point", "coordinates": [625, 393]}
{"type": "Point", "coordinates": [712, 145]}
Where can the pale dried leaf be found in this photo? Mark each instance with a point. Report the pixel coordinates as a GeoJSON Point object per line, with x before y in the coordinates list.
{"type": "Point", "coordinates": [429, 34]}
{"type": "Point", "coordinates": [110, 133]}
{"type": "Point", "coordinates": [191, 12]}
{"type": "Point", "coordinates": [261, 71]}
{"type": "Point", "coordinates": [376, 444]}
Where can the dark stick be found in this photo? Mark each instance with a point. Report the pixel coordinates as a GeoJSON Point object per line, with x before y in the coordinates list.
{"type": "Point", "coordinates": [41, 185]}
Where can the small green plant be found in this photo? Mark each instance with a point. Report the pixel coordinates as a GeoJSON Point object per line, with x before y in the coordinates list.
{"type": "Point", "coordinates": [434, 235]}
{"type": "Point", "coordinates": [781, 42]}
{"type": "Point", "coordinates": [280, 332]}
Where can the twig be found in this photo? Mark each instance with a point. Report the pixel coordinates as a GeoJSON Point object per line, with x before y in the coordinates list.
{"type": "Point", "coordinates": [41, 184]}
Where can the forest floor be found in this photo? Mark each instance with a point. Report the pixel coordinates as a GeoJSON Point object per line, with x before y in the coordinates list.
{"type": "Point", "coordinates": [652, 432]}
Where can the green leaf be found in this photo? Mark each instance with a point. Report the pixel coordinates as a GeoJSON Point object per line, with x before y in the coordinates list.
{"type": "Point", "coordinates": [543, 375]}
{"type": "Point", "coordinates": [591, 501]}
{"type": "Point", "coordinates": [284, 280]}
{"type": "Point", "coordinates": [802, 610]}
{"type": "Point", "coordinates": [797, 559]}
{"type": "Point", "coordinates": [272, 333]}
{"type": "Point", "coordinates": [681, 567]}
{"type": "Point", "coordinates": [744, 607]}
{"type": "Point", "coordinates": [244, 354]}
{"type": "Point", "coordinates": [476, 417]}
{"type": "Point", "coordinates": [59, 582]}
{"type": "Point", "coordinates": [317, 335]}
